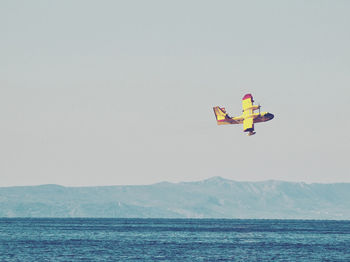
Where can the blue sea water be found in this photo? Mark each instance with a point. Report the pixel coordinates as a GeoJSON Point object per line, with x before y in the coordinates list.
{"type": "Point", "coordinates": [88, 239]}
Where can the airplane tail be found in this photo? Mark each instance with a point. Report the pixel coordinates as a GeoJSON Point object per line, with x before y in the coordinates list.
{"type": "Point", "coordinates": [220, 114]}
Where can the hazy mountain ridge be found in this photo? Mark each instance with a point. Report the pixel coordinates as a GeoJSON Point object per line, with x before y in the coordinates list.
{"type": "Point", "coordinates": [212, 198]}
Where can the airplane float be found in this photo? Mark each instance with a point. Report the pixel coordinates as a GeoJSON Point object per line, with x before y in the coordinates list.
{"type": "Point", "coordinates": [248, 118]}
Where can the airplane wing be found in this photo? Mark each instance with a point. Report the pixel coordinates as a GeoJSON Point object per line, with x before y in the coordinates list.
{"type": "Point", "coordinates": [248, 124]}
{"type": "Point", "coordinates": [222, 118]}
{"type": "Point", "coordinates": [247, 103]}
{"type": "Point", "coordinates": [248, 112]}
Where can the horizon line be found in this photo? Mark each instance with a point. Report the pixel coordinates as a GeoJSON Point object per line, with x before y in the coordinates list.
{"type": "Point", "coordinates": [180, 182]}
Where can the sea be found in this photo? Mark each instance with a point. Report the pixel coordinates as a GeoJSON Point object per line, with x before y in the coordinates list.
{"type": "Point", "coordinates": [98, 239]}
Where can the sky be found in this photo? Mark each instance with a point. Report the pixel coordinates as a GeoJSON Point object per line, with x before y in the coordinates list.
{"type": "Point", "coordinates": [121, 92]}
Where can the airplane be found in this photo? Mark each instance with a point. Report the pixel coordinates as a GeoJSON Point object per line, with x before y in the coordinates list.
{"type": "Point", "coordinates": [248, 118]}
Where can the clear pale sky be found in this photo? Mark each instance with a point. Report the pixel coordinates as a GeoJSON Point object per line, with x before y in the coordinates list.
{"type": "Point", "coordinates": [121, 92]}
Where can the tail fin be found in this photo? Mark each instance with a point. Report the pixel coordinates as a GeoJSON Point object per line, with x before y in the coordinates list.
{"type": "Point", "coordinates": [221, 115]}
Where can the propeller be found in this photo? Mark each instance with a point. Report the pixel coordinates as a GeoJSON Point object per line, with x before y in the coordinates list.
{"type": "Point", "coordinates": [259, 108]}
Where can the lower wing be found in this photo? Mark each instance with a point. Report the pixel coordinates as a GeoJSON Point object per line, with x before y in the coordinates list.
{"type": "Point", "coordinates": [248, 124]}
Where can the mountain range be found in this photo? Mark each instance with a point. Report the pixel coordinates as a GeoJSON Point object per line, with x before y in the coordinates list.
{"type": "Point", "coordinates": [211, 198]}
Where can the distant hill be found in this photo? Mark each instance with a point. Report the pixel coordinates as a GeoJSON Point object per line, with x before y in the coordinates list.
{"type": "Point", "coordinates": [212, 198]}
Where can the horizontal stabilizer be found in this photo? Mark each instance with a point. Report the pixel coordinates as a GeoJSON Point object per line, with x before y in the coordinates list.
{"type": "Point", "coordinates": [222, 118]}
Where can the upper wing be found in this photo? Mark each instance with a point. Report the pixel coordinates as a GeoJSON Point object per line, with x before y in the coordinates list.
{"type": "Point", "coordinates": [247, 103]}
{"type": "Point", "coordinates": [222, 118]}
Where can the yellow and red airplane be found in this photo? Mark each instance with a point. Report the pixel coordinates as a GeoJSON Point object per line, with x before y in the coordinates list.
{"type": "Point", "coordinates": [248, 118]}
